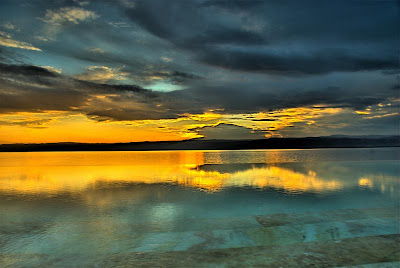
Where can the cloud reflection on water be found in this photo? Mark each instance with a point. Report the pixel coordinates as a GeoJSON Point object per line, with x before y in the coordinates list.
{"type": "Point", "coordinates": [76, 172]}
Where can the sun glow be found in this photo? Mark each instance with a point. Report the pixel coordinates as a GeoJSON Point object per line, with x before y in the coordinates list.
{"type": "Point", "coordinates": [56, 126]}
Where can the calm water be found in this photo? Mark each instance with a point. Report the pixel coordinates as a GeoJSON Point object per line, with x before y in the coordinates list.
{"type": "Point", "coordinates": [77, 208]}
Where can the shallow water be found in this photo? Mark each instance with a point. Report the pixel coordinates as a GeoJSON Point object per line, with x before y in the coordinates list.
{"type": "Point", "coordinates": [91, 208]}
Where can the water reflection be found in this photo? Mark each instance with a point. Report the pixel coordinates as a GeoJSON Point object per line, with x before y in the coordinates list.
{"type": "Point", "coordinates": [75, 172]}
{"type": "Point", "coordinates": [98, 203]}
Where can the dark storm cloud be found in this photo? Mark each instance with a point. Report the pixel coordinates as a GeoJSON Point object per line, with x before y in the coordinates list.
{"type": "Point", "coordinates": [292, 64]}
{"type": "Point", "coordinates": [335, 97]}
{"type": "Point", "coordinates": [220, 37]}
{"type": "Point", "coordinates": [34, 100]}
{"type": "Point", "coordinates": [22, 91]}
{"type": "Point", "coordinates": [35, 89]}
{"type": "Point", "coordinates": [286, 38]}
{"type": "Point", "coordinates": [107, 58]}
{"type": "Point", "coordinates": [232, 98]}
{"type": "Point", "coordinates": [129, 88]}
{"type": "Point", "coordinates": [32, 88]}
{"type": "Point", "coordinates": [176, 77]}
{"type": "Point", "coordinates": [304, 37]}
{"type": "Point", "coordinates": [186, 24]}
{"type": "Point", "coordinates": [237, 56]}
{"type": "Point", "coordinates": [22, 76]}
{"type": "Point", "coordinates": [183, 75]}
{"type": "Point", "coordinates": [25, 70]}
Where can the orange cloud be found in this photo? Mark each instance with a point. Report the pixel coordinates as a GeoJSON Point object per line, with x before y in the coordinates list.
{"type": "Point", "coordinates": [76, 127]}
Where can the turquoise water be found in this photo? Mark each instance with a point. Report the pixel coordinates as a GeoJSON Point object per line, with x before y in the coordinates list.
{"type": "Point", "coordinates": [198, 208]}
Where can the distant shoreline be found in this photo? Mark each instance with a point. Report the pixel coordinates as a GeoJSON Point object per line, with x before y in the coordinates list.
{"type": "Point", "coordinates": [199, 144]}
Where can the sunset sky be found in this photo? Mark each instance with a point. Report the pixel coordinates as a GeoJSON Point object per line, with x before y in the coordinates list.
{"type": "Point", "coordinates": [151, 70]}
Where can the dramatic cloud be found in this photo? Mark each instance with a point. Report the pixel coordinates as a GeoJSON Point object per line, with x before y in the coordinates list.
{"type": "Point", "coordinates": [220, 132]}
{"type": "Point", "coordinates": [295, 64]}
{"type": "Point", "coordinates": [34, 88]}
{"type": "Point", "coordinates": [175, 77]}
{"type": "Point", "coordinates": [8, 71]}
{"type": "Point", "coordinates": [286, 37]}
{"type": "Point", "coordinates": [68, 15]}
{"type": "Point", "coordinates": [200, 68]}
{"type": "Point", "coordinates": [7, 41]}
{"type": "Point", "coordinates": [102, 74]}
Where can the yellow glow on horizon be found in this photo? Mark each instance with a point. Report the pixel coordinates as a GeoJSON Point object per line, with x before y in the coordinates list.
{"type": "Point", "coordinates": [56, 126]}
{"type": "Point", "coordinates": [78, 128]}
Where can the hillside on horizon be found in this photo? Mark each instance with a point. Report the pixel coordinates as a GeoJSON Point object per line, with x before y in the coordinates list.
{"type": "Point", "coordinates": [203, 144]}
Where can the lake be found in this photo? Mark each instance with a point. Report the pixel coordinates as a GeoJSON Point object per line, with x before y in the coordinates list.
{"type": "Point", "coordinates": [274, 208]}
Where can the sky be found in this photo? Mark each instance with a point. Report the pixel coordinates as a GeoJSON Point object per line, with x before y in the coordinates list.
{"type": "Point", "coordinates": [155, 70]}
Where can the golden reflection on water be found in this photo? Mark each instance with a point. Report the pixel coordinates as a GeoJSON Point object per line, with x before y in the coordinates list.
{"type": "Point", "coordinates": [365, 182]}
{"type": "Point", "coordinates": [56, 172]}
{"type": "Point", "coordinates": [285, 179]}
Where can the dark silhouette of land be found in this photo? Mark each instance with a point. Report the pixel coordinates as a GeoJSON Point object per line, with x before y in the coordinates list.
{"type": "Point", "coordinates": [338, 141]}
